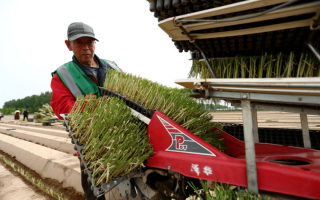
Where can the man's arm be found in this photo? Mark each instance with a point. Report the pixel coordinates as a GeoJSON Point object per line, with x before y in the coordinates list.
{"type": "Point", "coordinates": [62, 99]}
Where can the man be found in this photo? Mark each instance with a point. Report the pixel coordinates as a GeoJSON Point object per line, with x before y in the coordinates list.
{"type": "Point", "coordinates": [79, 77]}
{"type": "Point", "coordinates": [1, 115]}
{"type": "Point", "coordinates": [25, 114]}
{"type": "Point", "coordinates": [83, 74]}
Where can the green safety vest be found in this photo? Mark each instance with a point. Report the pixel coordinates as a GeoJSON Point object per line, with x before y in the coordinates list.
{"type": "Point", "coordinates": [77, 81]}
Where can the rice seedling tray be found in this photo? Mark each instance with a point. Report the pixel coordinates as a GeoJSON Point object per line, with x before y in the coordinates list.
{"type": "Point", "coordinates": [105, 187]}
{"type": "Point", "coordinates": [135, 106]}
{"type": "Point", "coordinates": [220, 39]}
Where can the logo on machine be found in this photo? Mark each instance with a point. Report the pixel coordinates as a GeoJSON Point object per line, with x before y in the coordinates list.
{"type": "Point", "coordinates": [183, 143]}
{"type": "Point", "coordinates": [179, 143]}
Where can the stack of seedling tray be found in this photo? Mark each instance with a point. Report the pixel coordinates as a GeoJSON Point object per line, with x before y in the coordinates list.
{"type": "Point", "coordinates": [224, 41]}
{"type": "Point", "coordinates": [164, 9]}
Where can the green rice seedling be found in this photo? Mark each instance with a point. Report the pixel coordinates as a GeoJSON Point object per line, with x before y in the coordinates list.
{"type": "Point", "coordinates": [221, 191]}
{"type": "Point", "coordinates": [264, 66]}
{"type": "Point", "coordinates": [173, 102]}
{"type": "Point", "coordinates": [298, 74]}
{"type": "Point", "coordinates": [311, 63]}
{"type": "Point", "coordinates": [236, 70]}
{"type": "Point", "coordinates": [304, 64]}
{"type": "Point", "coordinates": [269, 67]}
{"type": "Point", "coordinates": [278, 65]}
{"type": "Point", "coordinates": [243, 67]}
{"type": "Point", "coordinates": [229, 68]}
{"type": "Point", "coordinates": [28, 177]}
{"type": "Point", "coordinates": [252, 67]}
{"type": "Point", "coordinates": [112, 136]}
{"type": "Point", "coordinates": [289, 66]}
{"type": "Point", "coordinates": [220, 68]}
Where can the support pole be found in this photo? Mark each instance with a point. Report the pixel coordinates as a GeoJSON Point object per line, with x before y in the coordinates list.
{"type": "Point", "coordinates": [249, 147]}
{"type": "Point", "coordinates": [314, 51]}
{"type": "Point", "coordinates": [198, 47]}
{"type": "Point", "coordinates": [305, 131]}
{"type": "Point", "coordinates": [255, 125]}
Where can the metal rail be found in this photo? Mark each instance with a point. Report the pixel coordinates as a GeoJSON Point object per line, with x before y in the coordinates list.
{"type": "Point", "coordinates": [198, 47]}
{"type": "Point", "coordinates": [241, 17]}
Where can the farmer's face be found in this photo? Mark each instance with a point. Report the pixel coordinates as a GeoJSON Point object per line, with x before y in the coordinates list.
{"type": "Point", "coordinates": [83, 48]}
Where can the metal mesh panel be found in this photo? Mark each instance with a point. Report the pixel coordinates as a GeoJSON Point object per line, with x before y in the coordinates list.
{"type": "Point", "coordinates": [288, 137]}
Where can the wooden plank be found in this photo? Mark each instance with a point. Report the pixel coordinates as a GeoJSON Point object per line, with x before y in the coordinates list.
{"type": "Point", "coordinates": [281, 85]}
{"type": "Point", "coordinates": [168, 24]}
{"type": "Point", "coordinates": [231, 8]}
{"type": "Point", "coordinates": [277, 81]}
{"type": "Point", "coordinates": [270, 90]}
{"type": "Point", "coordinates": [261, 90]}
{"type": "Point", "coordinates": [275, 27]}
{"type": "Point", "coordinates": [285, 12]}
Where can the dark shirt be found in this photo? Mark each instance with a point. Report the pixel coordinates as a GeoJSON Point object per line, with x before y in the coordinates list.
{"type": "Point", "coordinates": [93, 71]}
{"type": "Point", "coordinates": [101, 69]}
{"type": "Point", "coordinates": [25, 113]}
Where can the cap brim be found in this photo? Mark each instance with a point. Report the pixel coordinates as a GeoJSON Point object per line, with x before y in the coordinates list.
{"type": "Point", "coordinates": [73, 38]}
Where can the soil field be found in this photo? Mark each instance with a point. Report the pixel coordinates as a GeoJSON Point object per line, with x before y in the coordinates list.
{"type": "Point", "coordinates": [14, 186]}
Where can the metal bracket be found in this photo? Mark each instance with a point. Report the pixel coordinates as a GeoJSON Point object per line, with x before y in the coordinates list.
{"type": "Point", "coordinates": [311, 25]}
{"type": "Point", "coordinates": [245, 96]}
{"type": "Point", "coordinates": [126, 189]}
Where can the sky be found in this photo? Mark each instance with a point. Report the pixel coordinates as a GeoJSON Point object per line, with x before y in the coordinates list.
{"type": "Point", "coordinates": [32, 35]}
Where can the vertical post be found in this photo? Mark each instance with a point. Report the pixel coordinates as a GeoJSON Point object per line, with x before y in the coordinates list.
{"type": "Point", "coordinates": [305, 130]}
{"type": "Point", "coordinates": [249, 147]}
{"type": "Point", "coordinates": [255, 125]}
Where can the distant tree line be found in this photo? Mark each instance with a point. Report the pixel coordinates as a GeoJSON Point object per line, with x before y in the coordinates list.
{"type": "Point", "coordinates": [33, 103]}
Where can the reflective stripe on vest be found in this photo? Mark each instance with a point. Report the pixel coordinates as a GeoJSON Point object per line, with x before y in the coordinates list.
{"type": "Point", "coordinates": [112, 64]}
{"type": "Point", "coordinates": [67, 79]}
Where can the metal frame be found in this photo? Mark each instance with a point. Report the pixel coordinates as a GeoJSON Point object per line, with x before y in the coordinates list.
{"type": "Point", "coordinates": [250, 102]}
{"type": "Point", "coordinates": [170, 27]}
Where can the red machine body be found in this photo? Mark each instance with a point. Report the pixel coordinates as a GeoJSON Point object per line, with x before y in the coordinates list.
{"type": "Point", "coordinates": [181, 151]}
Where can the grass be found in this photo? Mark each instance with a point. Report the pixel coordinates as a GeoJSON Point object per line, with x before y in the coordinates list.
{"type": "Point", "coordinates": [264, 66]}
